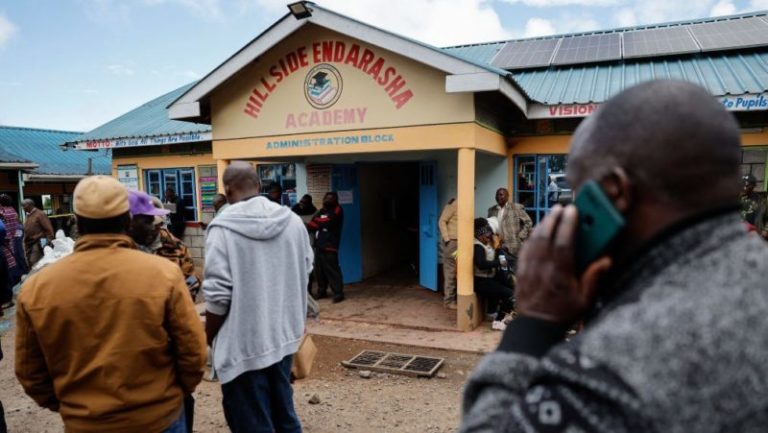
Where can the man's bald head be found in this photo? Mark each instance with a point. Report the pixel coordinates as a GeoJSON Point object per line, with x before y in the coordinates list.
{"type": "Point", "coordinates": [241, 181]}
{"type": "Point", "coordinates": [676, 143]}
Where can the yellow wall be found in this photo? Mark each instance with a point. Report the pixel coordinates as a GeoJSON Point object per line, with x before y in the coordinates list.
{"type": "Point", "coordinates": [560, 144]}
{"type": "Point", "coordinates": [433, 137]}
{"type": "Point", "coordinates": [166, 161]}
{"type": "Point", "coordinates": [279, 104]}
{"type": "Point", "coordinates": [755, 139]}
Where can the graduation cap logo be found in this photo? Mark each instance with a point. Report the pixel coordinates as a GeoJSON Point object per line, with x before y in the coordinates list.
{"type": "Point", "coordinates": [322, 87]}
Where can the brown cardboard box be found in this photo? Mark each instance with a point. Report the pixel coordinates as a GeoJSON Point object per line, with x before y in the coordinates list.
{"type": "Point", "coordinates": [304, 358]}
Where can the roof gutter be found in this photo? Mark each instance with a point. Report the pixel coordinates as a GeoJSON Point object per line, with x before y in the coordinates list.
{"type": "Point", "coordinates": [19, 165]}
{"type": "Point", "coordinates": [486, 82]}
{"type": "Point", "coordinates": [33, 177]}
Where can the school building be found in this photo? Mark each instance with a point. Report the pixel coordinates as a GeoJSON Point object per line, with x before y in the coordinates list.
{"type": "Point", "coordinates": [321, 102]}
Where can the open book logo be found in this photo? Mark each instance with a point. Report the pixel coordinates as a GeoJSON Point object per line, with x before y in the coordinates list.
{"type": "Point", "coordinates": [323, 86]}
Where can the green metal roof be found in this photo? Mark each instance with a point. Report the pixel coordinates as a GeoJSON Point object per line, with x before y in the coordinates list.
{"type": "Point", "coordinates": [42, 146]}
{"type": "Point", "coordinates": [149, 120]}
{"type": "Point", "coordinates": [721, 74]}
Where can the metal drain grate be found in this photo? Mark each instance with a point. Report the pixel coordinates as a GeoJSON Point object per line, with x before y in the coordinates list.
{"type": "Point", "coordinates": [399, 363]}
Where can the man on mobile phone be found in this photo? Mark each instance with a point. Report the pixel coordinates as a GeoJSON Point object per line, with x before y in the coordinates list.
{"type": "Point", "coordinates": [674, 310]}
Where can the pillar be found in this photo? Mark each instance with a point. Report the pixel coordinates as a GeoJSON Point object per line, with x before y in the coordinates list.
{"type": "Point", "coordinates": [469, 314]}
{"type": "Point", "coordinates": [221, 165]}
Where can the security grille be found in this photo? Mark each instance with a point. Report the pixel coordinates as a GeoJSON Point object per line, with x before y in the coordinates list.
{"type": "Point", "coordinates": [397, 363]}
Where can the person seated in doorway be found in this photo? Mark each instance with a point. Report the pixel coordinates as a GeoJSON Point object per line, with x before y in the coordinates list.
{"type": "Point", "coordinates": [487, 264]}
{"type": "Point", "coordinates": [147, 220]}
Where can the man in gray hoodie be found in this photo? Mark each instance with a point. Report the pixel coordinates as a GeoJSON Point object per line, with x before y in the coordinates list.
{"type": "Point", "coordinates": [675, 313]}
{"type": "Point", "coordinates": [257, 264]}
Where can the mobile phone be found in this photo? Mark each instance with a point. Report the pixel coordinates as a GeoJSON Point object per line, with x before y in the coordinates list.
{"type": "Point", "coordinates": [599, 224]}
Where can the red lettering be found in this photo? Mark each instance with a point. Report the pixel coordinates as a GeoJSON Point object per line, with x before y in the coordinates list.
{"type": "Point", "coordinates": [282, 66]}
{"type": "Point", "coordinates": [375, 70]}
{"type": "Point", "coordinates": [349, 115]}
{"type": "Point", "coordinates": [302, 119]}
{"type": "Point", "coordinates": [353, 54]}
{"type": "Point", "coordinates": [259, 95]}
{"type": "Point", "coordinates": [270, 87]}
{"type": "Point", "coordinates": [254, 101]}
{"type": "Point", "coordinates": [328, 51]}
{"type": "Point", "coordinates": [395, 86]}
{"type": "Point", "coordinates": [275, 73]}
{"type": "Point", "coordinates": [553, 110]}
{"type": "Point", "coordinates": [327, 117]}
{"type": "Point", "coordinates": [251, 111]}
{"type": "Point", "coordinates": [338, 52]}
{"type": "Point", "coordinates": [366, 59]}
{"type": "Point", "coordinates": [293, 62]}
{"type": "Point", "coordinates": [302, 52]}
{"type": "Point", "coordinates": [316, 53]}
{"type": "Point", "coordinates": [387, 75]}
{"type": "Point", "coordinates": [402, 98]}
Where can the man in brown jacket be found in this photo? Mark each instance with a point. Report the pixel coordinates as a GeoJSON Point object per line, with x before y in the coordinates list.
{"type": "Point", "coordinates": [514, 223]}
{"type": "Point", "coordinates": [108, 336]}
{"type": "Point", "coordinates": [36, 228]}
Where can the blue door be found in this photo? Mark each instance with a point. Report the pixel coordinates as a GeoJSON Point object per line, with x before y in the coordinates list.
{"type": "Point", "coordinates": [428, 233]}
{"type": "Point", "coordinates": [344, 182]}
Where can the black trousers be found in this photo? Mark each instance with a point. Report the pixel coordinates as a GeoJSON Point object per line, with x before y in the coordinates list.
{"type": "Point", "coordinates": [328, 272]}
{"type": "Point", "coordinates": [497, 294]}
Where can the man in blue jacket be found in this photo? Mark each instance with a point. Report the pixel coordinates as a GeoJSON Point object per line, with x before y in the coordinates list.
{"type": "Point", "coordinates": [257, 263]}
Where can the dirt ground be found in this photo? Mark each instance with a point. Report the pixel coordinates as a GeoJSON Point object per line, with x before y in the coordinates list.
{"type": "Point", "coordinates": [348, 402]}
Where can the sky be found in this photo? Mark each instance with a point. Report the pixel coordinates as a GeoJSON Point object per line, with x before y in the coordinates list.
{"type": "Point", "coordinates": [77, 64]}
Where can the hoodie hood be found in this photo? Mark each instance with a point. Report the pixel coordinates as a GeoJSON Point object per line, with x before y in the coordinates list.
{"type": "Point", "coordinates": [257, 218]}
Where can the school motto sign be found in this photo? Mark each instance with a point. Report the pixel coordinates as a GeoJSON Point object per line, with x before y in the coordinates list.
{"type": "Point", "coordinates": [324, 84]}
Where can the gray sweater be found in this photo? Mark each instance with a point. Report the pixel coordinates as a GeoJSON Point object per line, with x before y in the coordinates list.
{"type": "Point", "coordinates": [680, 349]}
{"type": "Point", "coordinates": [257, 265]}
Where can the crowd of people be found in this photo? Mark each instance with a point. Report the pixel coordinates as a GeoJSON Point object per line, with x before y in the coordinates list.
{"type": "Point", "coordinates": [673, 314]}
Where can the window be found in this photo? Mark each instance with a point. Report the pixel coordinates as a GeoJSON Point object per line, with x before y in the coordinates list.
{"type": "Point", "coordinates": [753, 162]}
{"type": "Point", "coordinates": [540, 183]}
{"type": "Point", "coordinates": [180, 180]}
{"type": "Point", "coordinates": [284, 175]}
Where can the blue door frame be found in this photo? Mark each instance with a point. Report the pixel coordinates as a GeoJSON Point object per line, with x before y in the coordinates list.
{"type": "Point", "coordinates": [344, 182]}
{"type": "Point", "coordinates": [428, 238]}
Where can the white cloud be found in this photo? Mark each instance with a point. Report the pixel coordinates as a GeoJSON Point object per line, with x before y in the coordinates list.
{"type": "Point", "coordinates": [190, 74]}
{"type": "Point", "coordinates": [437, 22]}
{"type": "Point", "coordinates": [7, 29]}
{"type": "Point", "coordinates": [538, 27]}
{"type": "Point", "coordinates": [625, 18]}
{"type": "Point", "coordinates": [556, 3]}
{"type": "Point", "coordinates": [723, 7]}
{"type": "Point", "coordinates": [120, 69]}
{"type": "Point", "coordinates": [757, 5]}
{"type": "Point", "coordinates": [106, 11]}
{"type": "Point", "coordinates": [202, 8]}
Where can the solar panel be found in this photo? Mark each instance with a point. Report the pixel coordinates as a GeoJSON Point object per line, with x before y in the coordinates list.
{"type": "Point", "coordinates": [739, 33]}
{"type": "Point", "coordinates": [589, 48]}
{"type": "Point", "coordinates": [653, 42]}
{"type": "Point", "coordinates": [526, 54]}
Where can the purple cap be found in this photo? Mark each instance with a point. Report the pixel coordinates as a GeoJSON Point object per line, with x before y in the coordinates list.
{"type": "Point", "coordinates": [141, 204]}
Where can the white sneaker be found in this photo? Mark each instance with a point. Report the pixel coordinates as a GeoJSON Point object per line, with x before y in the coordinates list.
{"type": "Point", "coordinates": [498, 325]}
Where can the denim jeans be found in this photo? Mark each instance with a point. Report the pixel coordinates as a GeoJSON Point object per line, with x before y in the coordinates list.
{"type": "Point", "coordinates": [262, 401]}
{"type": "Point", "coordinates": [180, 425]}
